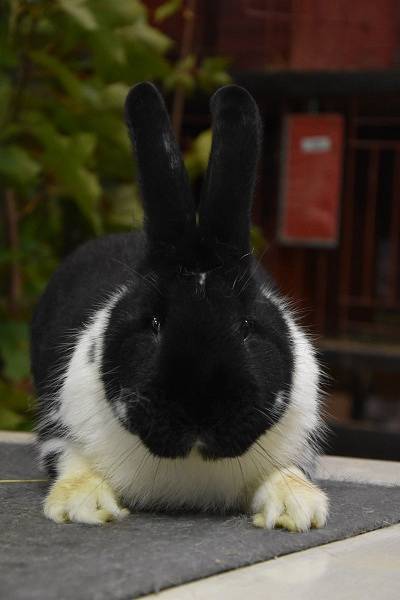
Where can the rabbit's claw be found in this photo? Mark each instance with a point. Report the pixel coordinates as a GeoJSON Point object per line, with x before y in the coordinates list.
{"type": "Point", "coordinates": [289, 500]}
{"type": "Point", "coordinates": [83, 498]}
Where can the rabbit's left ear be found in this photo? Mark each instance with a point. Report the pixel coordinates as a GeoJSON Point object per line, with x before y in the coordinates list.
{"type": "Point", "coordinates": [225, 206]}
{"type": "Point", "coordinates": [169, 208]}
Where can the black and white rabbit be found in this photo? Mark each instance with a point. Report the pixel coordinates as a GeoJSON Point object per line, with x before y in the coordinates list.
{"type": "Point", "coordinates": [169, 371]}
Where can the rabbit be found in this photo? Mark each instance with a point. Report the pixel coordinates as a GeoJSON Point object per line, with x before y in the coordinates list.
{"type": "Point", "coordinates": [170, 372]}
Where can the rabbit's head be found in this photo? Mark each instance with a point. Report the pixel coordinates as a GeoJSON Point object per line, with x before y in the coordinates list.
{"type": "Point", "coordinates": [196, 354]}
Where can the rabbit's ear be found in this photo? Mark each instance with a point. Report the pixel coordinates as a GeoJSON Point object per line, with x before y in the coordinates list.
{"type": "Point", "coordinates": [225, 207]}
{"type": "Point", "coordinates": [168, 203]}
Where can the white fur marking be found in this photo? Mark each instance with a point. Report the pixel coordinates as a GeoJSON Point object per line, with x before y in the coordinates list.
{"type": "Point", "coordinates": [279, 398]}
{"type": "Point", "coordinates": [121, 409]}
{"type": "Point", "coordinates": [287, 442]}
{"type": "Point", "coordinates": [50, 446]}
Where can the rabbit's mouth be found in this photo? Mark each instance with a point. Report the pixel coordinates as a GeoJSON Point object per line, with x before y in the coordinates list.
{"type": "Point", "coordinates": [204, 445]}
{"type": "Point", "coordinates": [206, 453]}
{"type": "Point", "coordinates": [214, 452]}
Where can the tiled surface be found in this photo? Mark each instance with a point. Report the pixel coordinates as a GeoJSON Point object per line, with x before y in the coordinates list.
{"type": "Point", "coordinates": [362, 470]}
{"type": "Point", "coordinates": [12, 437]}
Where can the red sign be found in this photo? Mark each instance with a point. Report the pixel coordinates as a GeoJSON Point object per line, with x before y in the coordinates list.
{"type": "Point", "coordinates": [311, 180]}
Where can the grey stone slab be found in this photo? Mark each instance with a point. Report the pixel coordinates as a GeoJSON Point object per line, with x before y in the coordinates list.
{"type": "Point", "coordinates": [148, 552]}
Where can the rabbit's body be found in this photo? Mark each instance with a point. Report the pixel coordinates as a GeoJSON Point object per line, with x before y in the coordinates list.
{"type": "Point", "coordinates": [169, 371]}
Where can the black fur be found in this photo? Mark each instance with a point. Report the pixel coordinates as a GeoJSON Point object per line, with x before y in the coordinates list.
{"type": "Point", "coordinates": [168, 203]}
{"type": "Point", "coordinates": [228, 192]}
{"type": "Point", "coordinates": [50, 463]}
{"type": "Point", "coordinates": [201, 379]}
{"type": "Point", "coordinates": [223, 351]}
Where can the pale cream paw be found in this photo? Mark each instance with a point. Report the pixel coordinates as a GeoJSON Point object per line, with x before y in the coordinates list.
{"type": "Point", "coordinates": [289, 500]}
{"type": "Point", "coordinates": [82, 498]}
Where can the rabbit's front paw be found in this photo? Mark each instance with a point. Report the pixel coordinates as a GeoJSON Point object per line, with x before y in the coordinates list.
{"type": "Point", "coordinates": [82, 498]}
{"type": "Point", "coordinates": [288, 499]}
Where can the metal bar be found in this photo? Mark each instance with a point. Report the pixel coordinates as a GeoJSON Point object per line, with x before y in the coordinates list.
{"type": "Point", "coordinates": [178, 106]}
{"type": "Point", "coordinates": [322, 290]}
{"type": "Point", "coordinates": [300, 266]}
{"type": "Point", "coordinates": [275, 15]}
{"type": "Point", "coordinates": [390, 305]}
{"type": "Point", "coordinates": [374, 144]}
{"type": "Point", "coordinates": [363, 302]}
{"type": "Point", "coordinates": [347, 222]}
{"type": "Point", "coordinates": [358, 301]}
{"type": "Point", "coordinates": [389, 331]}
{"type": "Point", "coordinates": [378, 121]}
{"type": "Point", "coordinates": [394, 239]}
{"type": "Point", "coordinates": [369, 241]}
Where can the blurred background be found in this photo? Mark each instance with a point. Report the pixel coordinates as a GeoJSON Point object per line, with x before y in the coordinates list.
{"type": "Point", "coordinates": [327, 210]}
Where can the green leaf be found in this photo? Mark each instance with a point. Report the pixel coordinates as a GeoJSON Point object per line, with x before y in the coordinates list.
{"type": "Point", "coordinates": [64, 158]}
{"type": "Point", "coordinates": [196, 159]}
{"type": "Point", "coordinates": [5, 97]}
{"type": "Point", "coordinates": [9, 419]}
{"type": "Point", "coordinates": [166, 10]}
{"type": "Point", "coordinates": [116, 13]}
{"type": "Point", "coordinates": [182, 75]}
{"type": "Point", "coordinates": [143, 33]}
{"type": "Point", "coordinates": [114, 95]}
{"type": "Point", "coordinates": [78, 10]}
{"type": "Point", "coordinates": [17, 166]}
{"type": "Point", "coordinates": [14, 350]}
{"type": "Point", "coordinates": [109, 52]}
{"type": "Point", "coordinates": [125, 207]}
{"type": "Point", "coordinates": [85, 190]}
{"type": "Point", "coordinates": [65, 76]}
{"type": "Point", "coordinates": [146, 64]}
{"type": "Point", "coordinates": [8, 58]}
{"type": "Point", "coordinates": [14, 397]}
{"type": "Point", "coordinates": [212, 73]}
{"type": "Point", "coordinates": [84, 144]}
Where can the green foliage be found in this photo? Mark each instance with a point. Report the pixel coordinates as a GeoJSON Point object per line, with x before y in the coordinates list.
{"type": "Point", "coordinates": [65, 161]}
{"type": "Point", "coordinates": [196, 159]}
{"type": "Point", "coordinates": [167, 9]}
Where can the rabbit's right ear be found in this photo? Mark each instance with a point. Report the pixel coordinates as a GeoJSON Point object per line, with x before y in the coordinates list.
{"type": "Point", "coordinates": [224, 214]}
{"type": "Point", "coordinates": [168, 203]}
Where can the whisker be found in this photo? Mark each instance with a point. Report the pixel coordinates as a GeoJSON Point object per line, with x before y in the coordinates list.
{"type": "Point", "coordinates": [138, 274]}
{"type": "Point", "coordinates": [123, 457]}
{"type": "Point", "coordinates": [254, 271]}
{"type": "Point", "coordinates": [280, 466]}
{"type": "Point", "coordinates": [155, 477]}
{"type": "Point", "coordinates": [241, 471]}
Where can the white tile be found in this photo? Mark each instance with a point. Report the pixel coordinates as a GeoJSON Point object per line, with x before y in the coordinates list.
{"type": "Point", "coordinates": [16, 437]}
{"type": "Point", "coordinates": [359, 469]}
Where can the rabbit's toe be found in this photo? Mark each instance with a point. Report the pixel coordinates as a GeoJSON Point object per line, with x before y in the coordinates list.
{"type": "Point", "coordinates": [85, 498]}
{"type": "Point", "coordinates": [289, 500]}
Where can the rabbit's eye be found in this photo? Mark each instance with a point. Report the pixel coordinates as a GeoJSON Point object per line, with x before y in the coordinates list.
{"type": "Point", "coordinates": [245, 328]}
{"type": "Point", "coordinates": [156, 325]}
